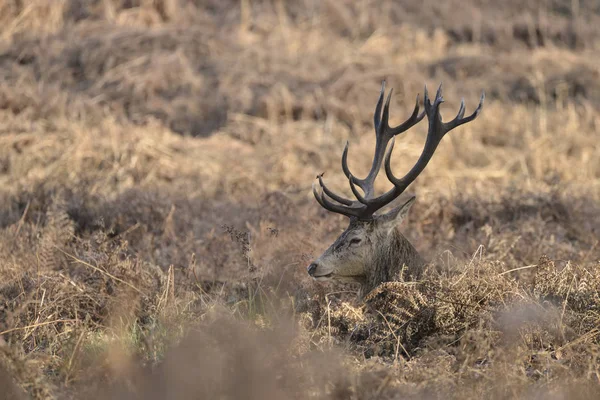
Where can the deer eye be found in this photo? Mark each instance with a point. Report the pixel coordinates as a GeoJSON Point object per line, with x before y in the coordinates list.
{"type": "Point", "coordinates": [354, 241]}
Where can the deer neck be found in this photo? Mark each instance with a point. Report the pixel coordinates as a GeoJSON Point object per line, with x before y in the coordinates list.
{"type": "Point", "coordinates": [395, 255]}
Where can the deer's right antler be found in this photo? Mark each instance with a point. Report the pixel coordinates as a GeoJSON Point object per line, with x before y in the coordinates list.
{"type": "Point", "coordinates": [366, 204]}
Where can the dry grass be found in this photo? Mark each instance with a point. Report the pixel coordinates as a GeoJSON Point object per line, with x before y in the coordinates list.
{"type": "Point", "coordinates": [156, 159]}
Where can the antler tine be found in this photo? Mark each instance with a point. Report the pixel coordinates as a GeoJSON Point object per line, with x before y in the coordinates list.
{"type": "Point", "coordinates": [377, 116]}
{"type": "Point", "coordinates": [328, 205]}
{"type": "Point", "coordinates": [331, 194]}
{"type": "Point", "coordinates": [383, 128]}
{"type": "Point", "coordinates": [345, 161]}
{"type": "Point", "coordinates": [439, 99]}
{"type": "Point", "coordinates": [461, 110]}
{"type": "Point", "coordinates": [459, 120]}
{"type": "Point", "coordinates": [387, 164]}
{"type": "Point", "coordinates": [400, 184]}
{"type": "Point", "coordinates": [438, 95]}
{"type": "Point", "coordinates": [353, 182]}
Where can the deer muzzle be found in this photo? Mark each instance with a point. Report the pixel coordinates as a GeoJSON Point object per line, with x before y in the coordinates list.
{"type": "Point", "coordinates": [319, 273]}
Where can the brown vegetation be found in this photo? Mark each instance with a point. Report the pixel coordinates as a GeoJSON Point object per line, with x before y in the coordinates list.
{"type": "Point", "coordinates": [156, 162]}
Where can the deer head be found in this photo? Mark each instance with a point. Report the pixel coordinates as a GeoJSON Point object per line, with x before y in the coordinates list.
{"type": "Point", "coordinates": [372, 250]}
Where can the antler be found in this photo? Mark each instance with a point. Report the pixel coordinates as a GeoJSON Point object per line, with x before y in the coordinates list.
{"type": "Point", "coordinates": [366, 204]}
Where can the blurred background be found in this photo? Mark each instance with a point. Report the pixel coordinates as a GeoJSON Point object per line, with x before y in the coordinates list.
{"type": "Point", "coordinates": [156, 219]}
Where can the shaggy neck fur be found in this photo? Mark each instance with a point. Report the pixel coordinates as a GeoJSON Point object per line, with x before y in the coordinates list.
{"type": "Point", "coordinates": [393, 253]}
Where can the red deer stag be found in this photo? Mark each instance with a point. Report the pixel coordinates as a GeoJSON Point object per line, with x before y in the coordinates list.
{"type": "Point", "coordinates": [372, 250]}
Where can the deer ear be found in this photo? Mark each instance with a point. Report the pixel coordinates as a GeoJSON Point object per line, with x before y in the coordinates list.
{"type": "Point", "coordinates": [394, 218]}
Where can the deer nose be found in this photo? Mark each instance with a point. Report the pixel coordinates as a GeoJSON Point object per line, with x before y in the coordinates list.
{"type": "Point", "coordinates": [312, 268]}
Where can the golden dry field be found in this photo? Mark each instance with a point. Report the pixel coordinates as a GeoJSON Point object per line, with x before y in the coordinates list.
{"type": "Point", "coordinates": [156, 213]}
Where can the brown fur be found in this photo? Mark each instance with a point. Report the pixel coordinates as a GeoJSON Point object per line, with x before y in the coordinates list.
{"type": "Point", "coordinates": [393, 256]}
